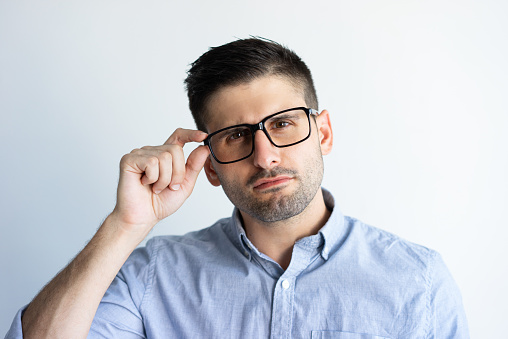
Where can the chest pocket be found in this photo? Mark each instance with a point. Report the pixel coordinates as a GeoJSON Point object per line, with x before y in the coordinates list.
{"type": "Point", "coordinates": [343, 335]}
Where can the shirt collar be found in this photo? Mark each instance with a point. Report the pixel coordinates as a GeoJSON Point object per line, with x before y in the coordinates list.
{"type": "Point", "coordinates": [333, 231]}
{"type": "Point", "coordinates": [246, 246]}
{"type": "Point", "coordinates": [328, 238]}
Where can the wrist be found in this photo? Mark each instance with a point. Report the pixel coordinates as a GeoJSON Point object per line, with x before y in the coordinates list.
{"type": "Point", "coordinates": [124, 233]}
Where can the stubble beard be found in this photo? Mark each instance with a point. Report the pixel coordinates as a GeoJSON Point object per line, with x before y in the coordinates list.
{"type": "Point", "coordinates": [278, 206]}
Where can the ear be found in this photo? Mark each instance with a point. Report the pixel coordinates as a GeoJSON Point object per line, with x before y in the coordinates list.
{"type": "Point", "coordinates": [324, 128]}
{"type": "Point", "coordinates": [210, 172]}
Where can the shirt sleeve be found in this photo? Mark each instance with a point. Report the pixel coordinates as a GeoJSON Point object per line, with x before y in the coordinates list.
{"type": "Point", "coordinates": [118, 314]}
{"type": "Point", "coordinates": [16, 332]}
{"type": "Point", "coordinates": [448, 318]}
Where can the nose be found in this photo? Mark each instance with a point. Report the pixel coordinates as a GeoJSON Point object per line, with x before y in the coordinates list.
{"type": "Point", "coordinates": [266, 155]}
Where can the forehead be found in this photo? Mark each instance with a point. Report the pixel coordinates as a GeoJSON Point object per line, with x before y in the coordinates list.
{"type": "Point", "coordinates": [252, 101]}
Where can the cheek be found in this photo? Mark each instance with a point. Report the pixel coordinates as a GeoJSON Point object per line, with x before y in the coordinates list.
{"type": "Point", "coordinates": [228, 174]}
{"type": "Point", "coordinates": [309, 149]}
{"type": "Point", "coordinates": [307, 158]}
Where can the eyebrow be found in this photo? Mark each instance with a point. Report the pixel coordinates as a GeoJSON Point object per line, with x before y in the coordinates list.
{"type": "Point", "coordinates": [246, 123]}
{"type": "Point", "coordinates": [285, 115]}
{"type": "Point", "coordinates": [231, 129]}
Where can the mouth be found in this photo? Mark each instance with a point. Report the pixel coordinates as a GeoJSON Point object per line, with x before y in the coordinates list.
{"type": "Point", "coordinates": [266, 183]}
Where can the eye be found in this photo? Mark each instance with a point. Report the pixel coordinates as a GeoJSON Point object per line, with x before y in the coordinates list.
{"type": "Point", "coordinates": [237, 135]}
{"type": "Point", "coordinates": [283, 121]}
{"type": "Point", "coordinates": [281, 124]}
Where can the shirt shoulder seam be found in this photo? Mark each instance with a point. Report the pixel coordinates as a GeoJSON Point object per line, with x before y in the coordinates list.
{"type": "Point", "coordinates": [153, 250]}
{"type": "Point", "coordinates": [430, 282]}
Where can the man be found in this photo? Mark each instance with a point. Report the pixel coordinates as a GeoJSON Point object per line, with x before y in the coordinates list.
{"type": "Point", "coordinates": [286, 264]}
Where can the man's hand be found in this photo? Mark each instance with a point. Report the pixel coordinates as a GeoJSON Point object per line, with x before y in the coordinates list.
{"type": "Point", "coordinates": [154, 183]}
{"type": "Point", "coordinates": [156, 180]}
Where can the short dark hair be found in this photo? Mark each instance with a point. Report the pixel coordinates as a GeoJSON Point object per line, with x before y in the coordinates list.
{"type": "Point", "coordinates": [242, 61]}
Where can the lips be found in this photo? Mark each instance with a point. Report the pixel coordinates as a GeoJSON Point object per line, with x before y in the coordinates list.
{"type": "Point", "coordinates": [271, 182]}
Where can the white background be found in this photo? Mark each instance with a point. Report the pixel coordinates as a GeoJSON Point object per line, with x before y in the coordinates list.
{"type": "Point", "coordinates": [416, 91]}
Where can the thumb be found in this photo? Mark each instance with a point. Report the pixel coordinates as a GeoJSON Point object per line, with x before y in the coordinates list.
{"type": "Point", "coordinates": [195, 162]}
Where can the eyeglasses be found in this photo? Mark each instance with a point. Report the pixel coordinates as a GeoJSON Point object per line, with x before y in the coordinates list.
{"type": "Point", "coordinates": [283, 129]}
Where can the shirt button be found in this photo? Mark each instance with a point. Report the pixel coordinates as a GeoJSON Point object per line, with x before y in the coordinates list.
{"type": "Point", "coordinates": [285, 284]}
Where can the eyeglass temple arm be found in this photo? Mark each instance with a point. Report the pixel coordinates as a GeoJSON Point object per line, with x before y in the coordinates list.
{"type": "Point", "coordinates": [313, 111]}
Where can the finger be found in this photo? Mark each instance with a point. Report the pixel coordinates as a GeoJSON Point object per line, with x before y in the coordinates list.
{"type": "Point", "coordinates": [182, 136]}
{"type": "Point", "coordinates": [171, 165]}
{"type": "Point", "coordinates": [195, 163]}
{"type": "Point", "coordinates": [138, 163]}
{"type": "Point", "coordinates": [150, 167]}
{"type": "Point", "coordinates": [178, 167]}
{"type": "Point", "coordinates": [165, 172]}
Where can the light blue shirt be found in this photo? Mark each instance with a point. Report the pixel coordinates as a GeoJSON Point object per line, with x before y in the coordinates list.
{"type": "Point", "coordinates": [350, 280]}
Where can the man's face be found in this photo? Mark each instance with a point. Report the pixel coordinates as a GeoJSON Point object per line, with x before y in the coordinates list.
{"type": "Point", "coordinates": [274, 183]}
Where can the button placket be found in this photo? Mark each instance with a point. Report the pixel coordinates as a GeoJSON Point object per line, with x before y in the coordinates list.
{"type": "Point", "coordinates": [282, 312]}
{"type": "Point", "coordinates": [285, 289]}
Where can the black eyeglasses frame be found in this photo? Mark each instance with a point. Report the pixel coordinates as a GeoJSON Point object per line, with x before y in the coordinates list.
{"type": "Point", "coordinates": [261, 126]}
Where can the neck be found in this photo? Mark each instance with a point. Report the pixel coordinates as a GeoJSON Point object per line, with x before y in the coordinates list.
{"type": "Point", "coordinates": [276, 239]}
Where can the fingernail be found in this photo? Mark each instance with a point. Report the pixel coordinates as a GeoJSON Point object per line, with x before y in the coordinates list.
{"type": "Point", "coordinates": [157, 192]}
{"type": "Point", "coordinates": [175, 187]}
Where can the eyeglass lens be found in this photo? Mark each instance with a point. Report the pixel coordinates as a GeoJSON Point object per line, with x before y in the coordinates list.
{"type": "Point", "coordinates": [283, 129]}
